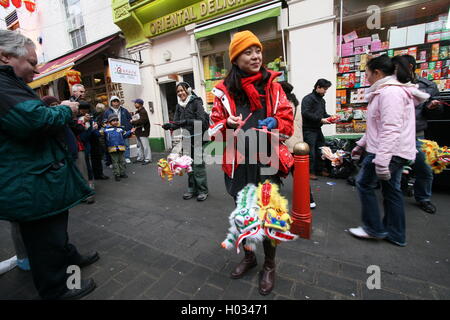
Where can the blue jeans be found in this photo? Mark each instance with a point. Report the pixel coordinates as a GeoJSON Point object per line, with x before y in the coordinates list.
{"type": "Point", "coordinates": [424, 175]}
{"type": "Point", "coordinates": [392, 226]}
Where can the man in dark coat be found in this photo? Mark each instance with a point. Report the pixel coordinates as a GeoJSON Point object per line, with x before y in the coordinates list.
{"type": "Point", "coordinates": [142, 124]}
{"type": "Point", "coordinates": [40, 181]}
{"type": "Point", "coordinates": [424, 112]}
{"type": "Point", "coordinates": [314, 116]}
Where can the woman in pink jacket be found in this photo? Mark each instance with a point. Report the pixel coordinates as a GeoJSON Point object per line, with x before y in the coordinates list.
{"type": "Point", "coordinates": [389, 142]}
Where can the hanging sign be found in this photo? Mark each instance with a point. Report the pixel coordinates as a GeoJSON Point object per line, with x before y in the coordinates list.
{"type": "Point", "coordinates": [30, 5]}
{"type": "Point", "coordinates": [124, 72]}
{"type": "Point", "coordinates": [4, 3]}
{"type": "Point", "coordinates": [17, 3]}
{"type": "Point", "coordinates": [73, 77]}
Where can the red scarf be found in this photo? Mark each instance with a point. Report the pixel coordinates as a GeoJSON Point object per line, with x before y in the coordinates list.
{"type": "Point", "coordinates": [248, 85]}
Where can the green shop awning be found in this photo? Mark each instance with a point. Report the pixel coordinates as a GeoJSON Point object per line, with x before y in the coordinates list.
{"type": "Point", "coordinates": [240, 20]}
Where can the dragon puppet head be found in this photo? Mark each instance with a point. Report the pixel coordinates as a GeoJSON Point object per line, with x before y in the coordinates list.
{"type": "Point", "coordinates": [274, 212]}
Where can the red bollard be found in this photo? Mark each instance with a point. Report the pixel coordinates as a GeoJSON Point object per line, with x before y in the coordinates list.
{"type": "Point", "coordinates": [301, 211]}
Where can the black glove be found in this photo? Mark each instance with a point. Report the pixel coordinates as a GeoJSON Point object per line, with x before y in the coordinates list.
{"type": "Point", "coordinates": [167, 126]}
{"type": "Point", "coordinates": [180, 123]}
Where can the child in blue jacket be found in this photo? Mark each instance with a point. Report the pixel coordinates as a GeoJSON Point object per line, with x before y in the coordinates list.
{"type": "Point", "coordinates": [115, 142]}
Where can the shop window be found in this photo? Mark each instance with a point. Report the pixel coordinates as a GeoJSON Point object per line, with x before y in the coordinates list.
{"type": "Point", "coordinates": [372, 28]}
{"type": "Point", "coordinates": [87, 81]}
{"type": "Point", "coordinates": [99, 79]}
{"type": "Point", "coordinates": [75, 23]}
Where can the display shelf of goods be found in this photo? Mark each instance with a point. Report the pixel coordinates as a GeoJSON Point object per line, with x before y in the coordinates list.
{"type": "Point", "coordinates": [433, 63]}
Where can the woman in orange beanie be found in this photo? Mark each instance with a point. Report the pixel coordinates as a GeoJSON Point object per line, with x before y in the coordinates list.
{"type": "Point", "coordinates": [249, 92]}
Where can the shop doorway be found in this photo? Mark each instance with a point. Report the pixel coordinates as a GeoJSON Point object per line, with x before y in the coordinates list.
{"type": "Point", "coordinates": [168, 103]}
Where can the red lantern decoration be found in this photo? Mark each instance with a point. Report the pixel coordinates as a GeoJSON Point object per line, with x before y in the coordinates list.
{"type": "Point", "coordinates": [17, 3]}
{"type": "Point", "coordinates": [4, 3]}
{"type": "Point", "coordinates": [30, 5]}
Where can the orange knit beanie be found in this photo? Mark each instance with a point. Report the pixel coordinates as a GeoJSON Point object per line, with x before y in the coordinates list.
{"type": "Point", "coordinates": [241, 41]}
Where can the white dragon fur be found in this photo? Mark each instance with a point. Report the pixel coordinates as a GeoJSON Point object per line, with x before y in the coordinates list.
{"type": "Point", "coordinates": [251, 210]}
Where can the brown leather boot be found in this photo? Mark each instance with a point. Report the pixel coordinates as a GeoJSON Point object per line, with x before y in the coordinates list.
{"type": "Point", "coordinates": [246, 264]}
{"type": "Point", "coordinates": [267, 274]}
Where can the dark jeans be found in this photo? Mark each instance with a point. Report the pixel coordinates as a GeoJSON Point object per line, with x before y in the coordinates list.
{"type": "Point", "coordinates": [424, 175]}
{"type": "Point", "coordinates": [315, 139]}
{"type": "Point", "coordinates": [118, 162]}
{"type": "Point", "coordinates": [50, 253]}
{"type": "Point", "coordinates": [87, 157]}
{"type": "Point", "coordinates": [197, 181]}
{"type": "Point", "coordinates": [96, 157]}
{"type": "Point", "coordinates": [393, 224]}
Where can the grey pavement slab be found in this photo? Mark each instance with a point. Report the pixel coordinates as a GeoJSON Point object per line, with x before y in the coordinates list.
{"type": "Point", "coordinates": [155, 245]}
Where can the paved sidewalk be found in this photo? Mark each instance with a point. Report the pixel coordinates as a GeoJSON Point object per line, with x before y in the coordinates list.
{"type": "Point", "coordinates": [155, 245]}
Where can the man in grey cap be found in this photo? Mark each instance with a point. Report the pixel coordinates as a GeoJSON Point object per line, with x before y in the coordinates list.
{"type": "Point", "coordinates": [124, 120]}
{"type": "Point", "coordinates": [142, 124]}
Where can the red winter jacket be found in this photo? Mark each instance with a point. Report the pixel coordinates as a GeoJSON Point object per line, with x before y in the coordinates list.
{"type": "Point", "coordinates": [278, 106]}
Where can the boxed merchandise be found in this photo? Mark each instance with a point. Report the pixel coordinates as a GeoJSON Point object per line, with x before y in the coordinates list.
{"type": "Point", "coordinates": [347, 115]}
{"type": "Point", "coordinates": [362, 42]}
{"type": "Point", "coordinates": [444, 73]}
{"type": "Point", "coordinates": [400, 52]}
{"type": "Point", "coordinates": [363, 49]}
{"type": "Point", "coordinates": [363, 63]}
{"type": "Point", "coordinates": [445, 35]}
{"type": "Point", "coordinates": [352, 80]}
{"type": "Point", "coordinates": [363, 80]}
{"type": "Point", "coordinates": [354, 96]}
{"type": "Point", "coordinates": [359, 126]}
{"type": "Point", "coordinates": [413, 52]}
{"type": "Point", "coordinates": [358, 114]}
{"type": "Point", "coordinates": [349, 37]}
{"type": "Point", "coordinates": [344, 127]}
{"type": "Point", "coordinates": [443, 52]}
{"type": "Point", "coordinates": [361, 95]}
{"type": "Point", "coordinates": [422, 56]}
{"type": "Point", "coordinates": [391, 53]}
{"type": "Point", "coordinates": [435, 52]}
{"type": "Point", "coordinates": [434, 37]}
{"type": "Point", "coordinates": [385, 45]}
{"type": "Point", "coordinates": [357, 79]}
{"type": "Point", "coordinates": [376, 46]}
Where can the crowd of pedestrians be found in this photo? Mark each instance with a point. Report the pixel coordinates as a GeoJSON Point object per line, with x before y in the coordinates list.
{"type": "Point", "coordinates": [52, 145]}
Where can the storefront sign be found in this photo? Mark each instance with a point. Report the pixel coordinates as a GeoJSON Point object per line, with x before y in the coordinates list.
{"type": "Point", "coordinates": [124, 72]}
{"type": "Point", "coordinates": [194, 13]}
{"type": "Point", "coordinates": [73, 77]}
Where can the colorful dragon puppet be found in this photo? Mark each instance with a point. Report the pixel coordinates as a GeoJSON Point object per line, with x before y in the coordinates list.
{"type": "Point", "coordinates": [437, 157]}
{"type": "Point", "coordinates": [260, 212]}
{"type": "Point", "coordinates": [164, 169]}
{"type": "Point", "coordinates": [180, 164]}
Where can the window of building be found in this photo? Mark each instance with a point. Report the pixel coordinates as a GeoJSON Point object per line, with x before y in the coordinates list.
{"type": "Point", "coordinates": [372, 28]}
{"type": "Point", "coordinates": [75, 23]}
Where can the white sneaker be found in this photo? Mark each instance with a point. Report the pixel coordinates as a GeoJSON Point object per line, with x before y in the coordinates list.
{"type": "Point", "coordinates": [127, 160]}
{"type": "Point", "coordinates": [312, 205]}
{"type": "Point", "coordinates": [360, 233]}
{"type": "Point", "coordinates": [110, 166]}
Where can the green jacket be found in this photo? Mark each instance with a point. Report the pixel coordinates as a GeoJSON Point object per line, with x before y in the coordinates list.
{"type": "Point", "coordinates": [38, 177]}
